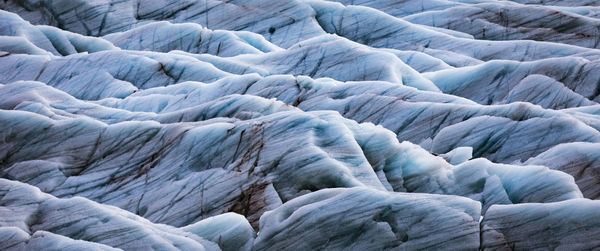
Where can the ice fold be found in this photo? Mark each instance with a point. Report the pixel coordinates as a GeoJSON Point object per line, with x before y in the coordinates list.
{"type": "Point", "coordinates": [299, 124]}
{"type": "Point", "coordinates": [359, 218]}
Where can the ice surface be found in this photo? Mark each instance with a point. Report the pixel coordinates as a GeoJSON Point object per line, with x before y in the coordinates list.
{"type": "Point", "coordinates": [572, 224]}
{"type": "Point", "coordinates": [512, 21]}
{"type": "Point", "coordinates": [577, 159]}
{"type": "Point", "coordinates": [164, 37]}
{"type": "Point", "coordinates": [27, 214]}
{"type": "Point", "coordinates": [300, 124]}
{"type": "Point", "coordinates": [231, 231]}
{"type": "Point", "coordinates": [493, 81]}
{"type": "Point", "coordinates": [365, 219]}
{"type": "Point", "coordinates": [334, 152]}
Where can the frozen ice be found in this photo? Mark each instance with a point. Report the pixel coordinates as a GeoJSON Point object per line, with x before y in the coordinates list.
{"type": "Point", "coordinates": [190, 37]}
{"type": "Point", "coordinates": [28, 214]}
{"type": "Point", "coordinates": [299, 124]}
{"type": "Point", "coordinates": [230, 230]}
{"type": "Point", "coordinates": [364, 219]}
{"type": "Point", "coordinates": [571, 224]}
{"type": "Point", "coordinates": [577, 159]}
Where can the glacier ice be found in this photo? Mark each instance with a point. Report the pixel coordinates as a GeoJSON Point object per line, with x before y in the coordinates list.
{"type": "Point", "coordinates": [579, 159]}
{"type": "Point", "coordinates": [363, 219]}
{"type": "Point", "coordinates": [299, 124]}
{"type": "Point", "coordinates": [571, 224]}
{"type": "Point", "coordinates": [230, 230]}
{"type": "Point", "coordinates": [29, 213]}
{"type": "Point", "coordinates": [190, 37]}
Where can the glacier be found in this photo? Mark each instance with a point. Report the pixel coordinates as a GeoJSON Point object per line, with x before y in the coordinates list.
{"type": "Point", "coordinates": [300, 125]}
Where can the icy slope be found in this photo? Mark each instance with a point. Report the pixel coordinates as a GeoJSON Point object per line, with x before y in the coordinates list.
{"type": "Point", "coordinates": [309, 124]}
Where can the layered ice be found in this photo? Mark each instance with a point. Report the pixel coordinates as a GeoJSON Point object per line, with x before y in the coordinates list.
{"type": "Point", "coordinates": [580, 160]}
{"type": "Point", "coordinates": [129, 161]}
{"type": "Point", "coordinates": [300, 124]}
{"type": "Point", "coordinates": [31, 218]}
{"type": "Point", "coordinates": [562, 225]}
{"type": "Point", "coordinates": [370, 220]}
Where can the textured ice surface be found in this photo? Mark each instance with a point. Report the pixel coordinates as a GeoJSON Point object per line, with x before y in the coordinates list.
{"type": "Point", "coordinates": [581, 160]}
{"type": "Point", "coordinates": [364, 219]}
{"type": "Point", "coordinates": [299, 124]}
{"type": "Point", "coordinates": [29, 213]}
{"type": "Point", "coordinates": [572, 224]}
